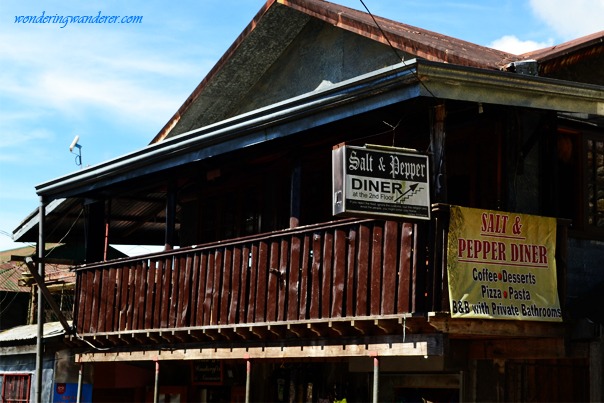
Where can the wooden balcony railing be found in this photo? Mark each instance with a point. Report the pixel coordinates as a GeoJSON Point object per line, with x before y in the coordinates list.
{"type": "Point", "coordinates": [345, 269]}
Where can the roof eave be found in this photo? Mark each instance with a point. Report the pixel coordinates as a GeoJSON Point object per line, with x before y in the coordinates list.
{"type": "Point", "coordinates": [367, 92]}
{"type": "Point", "coordinates": [278, 120]}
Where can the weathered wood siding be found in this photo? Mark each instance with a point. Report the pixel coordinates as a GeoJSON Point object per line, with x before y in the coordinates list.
{"type": "Point", "coordinates": [347, 269]}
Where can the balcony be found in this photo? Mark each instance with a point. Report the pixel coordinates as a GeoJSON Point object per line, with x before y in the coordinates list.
{"type": "Point", "coordinates": [343, 278]}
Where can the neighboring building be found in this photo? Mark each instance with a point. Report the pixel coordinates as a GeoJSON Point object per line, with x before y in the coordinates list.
{"type": "Point", "coordinates": [19, 329]}
{"type": "Point", "coordinates": [18, 361]}
{"type": "Point", "coordinates": [14, 297]}
{"type": "Point", "coordinates": [260, 279]}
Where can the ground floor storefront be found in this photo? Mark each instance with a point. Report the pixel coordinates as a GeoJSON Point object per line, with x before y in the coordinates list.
{"type": "Point", "coordinates": [270, 381]}
{"type": "Point", "coordinates": [397, 379]}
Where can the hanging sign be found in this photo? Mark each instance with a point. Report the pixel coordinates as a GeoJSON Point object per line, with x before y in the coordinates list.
{"type": "Point", "coordinates": [502, 266]}
{"type": "Point", "coordinates": [380, 181]}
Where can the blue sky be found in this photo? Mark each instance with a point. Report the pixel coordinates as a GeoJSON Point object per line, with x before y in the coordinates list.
{"type": "Point", "coordinates": [116, 85]}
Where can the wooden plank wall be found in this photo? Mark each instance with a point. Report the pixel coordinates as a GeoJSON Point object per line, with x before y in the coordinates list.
{"type": "Point", "coordinates": [358, 269]}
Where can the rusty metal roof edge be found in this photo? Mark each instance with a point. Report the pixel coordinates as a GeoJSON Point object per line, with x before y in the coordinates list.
{"type": "Point", "coordinates": [423, 43]}
{"type": "Point", "coordinates": [553, 52]}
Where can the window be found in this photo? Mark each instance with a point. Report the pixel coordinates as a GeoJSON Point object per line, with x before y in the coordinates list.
{"type": "Point", "coordinates": [594, 182]}
{"type": "Point", "coordinates": [15, 388]}
{"type": "Point", "coordinates": [580, 186]}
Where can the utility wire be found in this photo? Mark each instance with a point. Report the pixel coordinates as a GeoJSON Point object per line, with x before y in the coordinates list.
{"type": "Point", "coordinates": [402, 59]}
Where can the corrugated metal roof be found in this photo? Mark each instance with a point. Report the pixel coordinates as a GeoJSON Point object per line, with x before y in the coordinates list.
{"type": "Point", "coordinates": [30, 332]}
{"type": "Point", "coordinates": [10, 273]}
{"type": "Point", "coordinates": [145, 212]}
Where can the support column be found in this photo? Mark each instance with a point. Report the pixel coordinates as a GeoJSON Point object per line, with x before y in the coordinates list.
{"type": "Point", "coordinates": [170, 217]}
{"type": "Point", "coordinates": [248, 373]}
{"type": "Point", "coordinates": [295, 194]}
{"type": "Point", "coordinates": [376, 377]}
{"type": "Point", "coordinates": [80, 371]}
{"type": "Point", "coordinates": [437, 146]}
{"type": "Point", "coordinates": [107, 225]}
{"type": "Point", "coordinates": [156, 386]}
{"type": "Point", "coordinates": [40, 335]}
{"type": "Point", "coordinates": [95, 230]}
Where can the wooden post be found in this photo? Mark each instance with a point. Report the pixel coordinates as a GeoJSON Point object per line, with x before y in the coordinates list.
{"type": "Point", "coordinates": [170, 217]}
{"type": "Point", "coordinates": [294, 214]}
{"type": "Point", "coordinates": [95, 230]}
{"type": "Point", "coordinates": [43, 290]}
{"type": "Point", "coordinates": [376, 376]}
{"type": "Point", "coordinates": [248, 372]}
{"type": "Point", "coordinates": [107, 222]}
{"type": "Point", "coordinates": [156, 385]}
{"type": "Point", "coordinates": [79, 395]}
{"type": "Point", "coordinates": [437, 145]}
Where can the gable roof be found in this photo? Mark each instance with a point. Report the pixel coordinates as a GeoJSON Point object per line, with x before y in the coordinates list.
{"type": "Point", "coordinates": [447, 75]}
{"type": "Point", "coordinates": [276, 25]}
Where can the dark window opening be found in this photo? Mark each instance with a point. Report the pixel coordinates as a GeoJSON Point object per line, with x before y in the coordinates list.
{"type": "Point", "coordinates": [580, 179]}
{"type": "Point", "coordinates": [15, 388]}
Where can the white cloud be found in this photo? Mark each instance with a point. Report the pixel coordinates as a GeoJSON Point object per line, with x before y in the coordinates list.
{"type": "Point", "coordinates": [72, 75]}
{"type": "Point", "coordinates": [13, 140]}
{"type": "Point", "coordinates": [570, 19]}
{"type": "Point", "coordinates": [511, 44]}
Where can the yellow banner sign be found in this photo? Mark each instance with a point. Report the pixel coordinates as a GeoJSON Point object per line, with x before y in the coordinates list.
{"type": "Point", "coordinates": [502, 266]}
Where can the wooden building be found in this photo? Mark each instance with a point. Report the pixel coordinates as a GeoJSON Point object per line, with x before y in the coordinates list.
{"type": "Point", "coordinates": [263, 293]}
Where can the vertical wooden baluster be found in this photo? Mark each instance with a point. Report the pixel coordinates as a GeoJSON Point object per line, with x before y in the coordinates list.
{"type": "Point", "coordinates": [245, 303]}
{"type": "Point", "coordinates": [201, 288]}
{"type": "Point", "coordinates": [151, 294]}
{"type": "Point", "coordinates": [339, 268]}
{"type": "Point", "coordinates": [184, 299]}
{"type": "Point", "coordinates": [226, 289]}
{"type": "Point", "coordinates": [327, 275]}
{"type": "Point", "coordinates": [364, 245]}
{"type": "Point", "coordinates": [260, 314]}
{"type": "Point", "coordinates": [236, 286]}
{"type": "Point", "coordinates": [166, 288]}
{"type": "Point", "coordinates": [351, 273]}
{"type": "Point", "coordinates": [251, 314]}
{"type": "Point", "coordinates": [315, 299]}
{"type": "Point", "coordinates": [404, 269]}
{"type": "Point", "coordinates": [376, 268]}
{"type": "Point", "coordinates": [293, 300]}
{"type": "Point", "coordinates": [273, 281]}
{"type": "Point", "coordinates": [305, 279]}
{"type": "Point", "coordinates": [389, 268]}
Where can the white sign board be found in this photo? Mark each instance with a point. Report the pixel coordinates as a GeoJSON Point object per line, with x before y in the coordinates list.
{"type": "Point", "coordinates": [380, 182]}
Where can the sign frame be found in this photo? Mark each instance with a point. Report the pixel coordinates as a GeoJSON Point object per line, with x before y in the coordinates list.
{"type": "Point", "coordinates": [380, 181]}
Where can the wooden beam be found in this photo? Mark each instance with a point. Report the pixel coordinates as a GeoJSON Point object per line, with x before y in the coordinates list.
{"type": "Point", "coordinates": [457, 327]}
{"type": "Point", "coordinates": [53, 305]}
{"type": "Point", "coordinates": [526, 349]}
{"type": "Point", "coordinates": [430, 345]}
